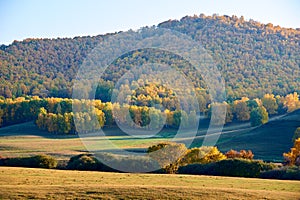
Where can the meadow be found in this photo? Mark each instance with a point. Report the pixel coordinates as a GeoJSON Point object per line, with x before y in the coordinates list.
{"type": "Point", "coordinates": [267, 142]}
{"type": "Point", "coordinates": [25, 183]}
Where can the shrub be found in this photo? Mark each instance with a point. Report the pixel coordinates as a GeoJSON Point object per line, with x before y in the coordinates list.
{"type": "Point", "coordinates": [202, 155]}
{"type": "Point", "coordinates": [167, 155]}
{"type": "Point", "coordinates": [259, 116]}
{"type": "Point", "coordinates": [242, 154]}
{"type": "Point", "coordinates": [237, 167]}
{"type": "Point", "coordinates": [229, 167]}
{"type": "Point", "coordinates": [293, 157]}
{"type": "Point", "coordinates": [39, 161]}
{"type": "Point", "coordinates": [125, 163]}
{"type": "Point", "coordinates": [45, 161]}
{"type": "Point", "coordinates": [286, 173]}
{"type": "Point", "coordinates": [83, 162]}
{"type": "Point", "coordinates": [197, 169]}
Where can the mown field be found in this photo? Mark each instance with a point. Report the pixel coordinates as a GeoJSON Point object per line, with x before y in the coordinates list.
{"type": "Point", "coordinates": [25, 183]}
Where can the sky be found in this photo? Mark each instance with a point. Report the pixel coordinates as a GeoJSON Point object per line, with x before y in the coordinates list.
{"type": "Point", "coordinates": [21, 19]}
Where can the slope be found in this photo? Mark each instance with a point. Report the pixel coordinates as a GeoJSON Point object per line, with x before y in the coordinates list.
{"type": "Point", "coordinates": [267, 142]}
{"type": "Point", "coordinates": [254, 58]}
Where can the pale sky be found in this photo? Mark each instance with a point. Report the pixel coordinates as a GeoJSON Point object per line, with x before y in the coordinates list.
{"type": "Point", "coordinates": [20, 19]}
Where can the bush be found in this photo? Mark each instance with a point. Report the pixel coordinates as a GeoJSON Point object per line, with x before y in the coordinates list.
{"type": "Point", "coordinates": [166, 156]}
{"type": "Point", "coordinates": [87, 162]}
{"type": "Point", "coordinates": [39, 161]}
{"type": "Point", "coordinates": [197, 169]}
{"type": "Point", "coordinates": [202, 155]}
{"type": "Point", "coordinates": [45, 161]}
{"type": "Point", "coordinates": [229, 167]}
{"type": "Point", "coordinates": [83, 162]}
{"type": "Point", "coordinates": [126, 163]}
{"type": "Point", "coordinates": [242, 154]}
{"type": "Point", "coordinates": [285, 173]}
{"type": "Point", "coordinates": [170, 156]}
{"type": "Point", "coordinates": [238, 167]}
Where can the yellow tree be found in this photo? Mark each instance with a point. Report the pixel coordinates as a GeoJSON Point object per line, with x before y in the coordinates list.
{"type": "Point", "coordinates": [169, 117]}
{"type": "Point", "coordinates": [292, 102]}
{"type": "Point", "coordinates": [202, 155]}
{"type": "Point", "coordinates": [241, 109]}
{"type": "Point", "coordinates": [167, 155]}
{"type": "Point", "coordinates": [293, 157]}
{"type": "Point", "coordinates": [269, 102]}
{"type": "Point", "coordinates": [41, 120]}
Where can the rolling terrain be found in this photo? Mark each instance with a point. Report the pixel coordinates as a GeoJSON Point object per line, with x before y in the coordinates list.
{"type": "Point", "coordinates": [25, 183]}
{"type": "Point", "coordinates": [268, 142]}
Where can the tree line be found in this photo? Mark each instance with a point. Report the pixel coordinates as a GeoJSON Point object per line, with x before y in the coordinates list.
{"type": "Point", "coordinates": [57, 114]}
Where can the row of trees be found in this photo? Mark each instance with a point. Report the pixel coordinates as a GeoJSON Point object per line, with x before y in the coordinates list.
{"type": "Point", "coordinates": [64, 123]}
{"type": "Point", "coordinates": [258, 110]}
{"type": "Point", "coordinates": [129, 116]}
{"type": "Point", "coordinates": [23, 109]}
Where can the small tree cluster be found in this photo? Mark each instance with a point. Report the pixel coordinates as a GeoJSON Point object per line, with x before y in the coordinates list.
{"type": "Point", "coordinates": [171, 156]}
{"type": "Point", "coordinates": [242, 154]}
{"type": "Point", "coordinates": [293, 157]}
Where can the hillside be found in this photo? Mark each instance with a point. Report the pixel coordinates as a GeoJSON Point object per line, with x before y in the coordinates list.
{"type": "Point", "coordinates": [268, 141]}
{"type": "Point", "coordinates": [253, 58]}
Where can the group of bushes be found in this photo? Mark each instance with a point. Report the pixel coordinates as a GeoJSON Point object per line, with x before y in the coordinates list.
{"type": "Point", "coordinates": [230, 167]}
{"type": "Point", "coordinates": [197, 161]}
{"type": "Point", "coordinates": [118, 163]}
{"type": "Point", "coordinates": [39, 161]}
{"type": "Point", "coordinates": [193, 162]}
{"type": "Point", "coordinates": [285, 173]}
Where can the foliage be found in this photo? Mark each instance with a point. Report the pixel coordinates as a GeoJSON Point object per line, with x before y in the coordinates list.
{"type": "Point", "coordinates": [56, 114]}
{"type": "Point", "coordinates": [39, 161]}
{"type": "Point", "coordinates": [259, 116]}
{"type": "Point", "coordinates": [242, 154]}
{"type": "Point", "coordinates": [202, 155]}
{"type": "Point", "coordinates": [167, 155]}
{"type": "Point", "coordinates": [83, 162]}
{"type": "Point", "coordinates": [253, 58]}
{"type": "Point", "coordinates": [270, 104]}
{"type": "Point", "coordinates": [228, 167]}
{"type": "Point", "coordinates": [292, 102]}
{"type": "Point", "coordinates": [285, 173]}
{"type": "Point", "coordinates": [220, 109]}
{"type": "Point", "coordinates": [293, 157]}
{"type": "Point", "coordinates": [95, 163]}
{"type": "Point", "coordinates": [241, 109]}
{"type": "Point", "coordinates": [171, 156]}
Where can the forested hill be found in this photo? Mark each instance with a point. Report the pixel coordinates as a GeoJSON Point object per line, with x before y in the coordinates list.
{"type": "Point", "coordinates": [254, 58]}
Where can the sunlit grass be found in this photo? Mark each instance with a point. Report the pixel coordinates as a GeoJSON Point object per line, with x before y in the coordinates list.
{"type": "Point", "coordinates": [41, 183]}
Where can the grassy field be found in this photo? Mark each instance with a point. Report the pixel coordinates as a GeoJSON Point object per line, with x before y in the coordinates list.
{"type": "Point", "coordinates": [267, 142]}
{"type": "Point", "coordinates": [26, 140]}
{"type": "Point", "coordinates": [25, 183]}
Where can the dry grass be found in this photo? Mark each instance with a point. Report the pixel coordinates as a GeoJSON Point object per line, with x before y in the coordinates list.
{"type": "Point", "coordinates": [25, 183]}
{"type": "Point", "coordinates": [26, 139]}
